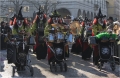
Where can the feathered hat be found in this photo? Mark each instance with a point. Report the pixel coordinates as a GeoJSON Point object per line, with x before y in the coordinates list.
{"type": "Point", "coordinates": [20, 16]}
{"type": "Point", "coordinates": [55, 14]}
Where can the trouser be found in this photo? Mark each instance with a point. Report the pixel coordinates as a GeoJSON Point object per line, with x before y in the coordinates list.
{"type": "Point", "coordinates": [87, 50]}
{"type": "Point", "coordinates": [95, 54]}
{"type": "Point", "coordinates": [41, 51]}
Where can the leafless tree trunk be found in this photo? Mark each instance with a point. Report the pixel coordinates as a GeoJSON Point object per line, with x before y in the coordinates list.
{"type": "Point", "coordinates": [46, 5]}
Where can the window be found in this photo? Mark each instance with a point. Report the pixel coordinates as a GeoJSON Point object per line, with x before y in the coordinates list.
{"type": "Point", "coordinates": [26, 9]}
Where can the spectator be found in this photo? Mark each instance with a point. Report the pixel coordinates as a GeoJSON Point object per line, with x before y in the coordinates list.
{"type": "Point", "coordinates": [3, 45]}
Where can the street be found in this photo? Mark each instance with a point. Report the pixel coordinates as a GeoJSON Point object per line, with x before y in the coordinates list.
{"type": "Point", "coordinates": [77, 68]}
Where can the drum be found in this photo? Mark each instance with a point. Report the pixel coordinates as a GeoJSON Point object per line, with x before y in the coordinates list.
{"type": "Point", "coordinates": [92, 40]}
{"type": "Point", "coordinates": [59, 37]}
{"type": "Point", "coordinates": [51, 37]}
{"type": "Point", "coordinates": [88, 31]}
{"type": "Point", "coordinates": [31, 41]}
{"type": "Point", "coordinates": [69, 38]}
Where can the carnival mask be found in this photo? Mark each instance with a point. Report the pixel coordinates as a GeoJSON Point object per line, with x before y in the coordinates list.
{"type": "Point", "coordinates": [55, 19]}
{"type": "Point", "coordinates": [40, 16]}
{"type": "Point", "coordinates": [19, 22]}
{"type": "Point", "coordinates": [100, 20]}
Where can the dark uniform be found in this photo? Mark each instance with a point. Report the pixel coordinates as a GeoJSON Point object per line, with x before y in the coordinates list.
{"type": "Point", "coordinates": [37, 30]}
{"type": "Point", "coordinates": [96, 29]}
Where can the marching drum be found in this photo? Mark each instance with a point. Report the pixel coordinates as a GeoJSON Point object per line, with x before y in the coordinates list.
{"type": "Point", "coordinates": [92, 40]}
{"type": "Point", "coordinates": [69, 38]}
{"type": "Point", "coordinates": [51, 37]}
{"type": "Point", "coordinates": [59, 37]}
{"type": "Point", "coordinates": [88, 31]}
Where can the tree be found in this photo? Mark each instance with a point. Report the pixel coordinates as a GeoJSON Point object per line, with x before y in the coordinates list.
{"type": "Point", "coordinates": [14, 5]}
{"type": "Point", "coordinates": [11, 5]}
{"type": "Point", "coordinates": [45, 5]}
{"type": "Point", "coordinates": [17, 4]}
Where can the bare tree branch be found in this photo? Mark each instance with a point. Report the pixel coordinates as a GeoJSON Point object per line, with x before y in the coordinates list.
{"type": "Point", "coordinates": [22, 2]}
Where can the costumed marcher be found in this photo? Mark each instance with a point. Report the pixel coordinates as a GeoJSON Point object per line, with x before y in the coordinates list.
{"type": "Point", "coordinates": [86, 31]}
{"type": "Point", "coordinates": [37, 30]}
{"type": "Point", "coordinates": [66, 32]}
{"type": "Point", "coordinates": [53, 20]}
{"type": "Point", "coordinates": [110, 23]}
{"type": "Point", "coordinates": [19, 27]}
{"type": "Point", "coordinates": [77, 46]}
{"type": "Point", "coordinates": [99, 25]}
{"type": "Point", "coordinates": [12, 20]}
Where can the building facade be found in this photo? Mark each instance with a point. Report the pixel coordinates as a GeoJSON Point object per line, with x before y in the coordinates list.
{"type": "Point", "coordinates": [74, 8]}
{"type": "Point", "coordinates": [87, 8]}
{"type": "Point", "coordinates": [113, 8]}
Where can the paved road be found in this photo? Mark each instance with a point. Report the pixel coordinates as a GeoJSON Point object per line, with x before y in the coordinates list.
{"type": "Point", "coordinates": [77, 68]}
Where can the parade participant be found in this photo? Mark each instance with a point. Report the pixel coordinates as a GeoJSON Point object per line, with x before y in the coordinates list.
{"type": "Point", "coordinates": [11, 21]}
{"type": "Point", "coordinates": [20, 27]}
{"type": "Point", "coordinates": [37, 30]}
{"type": "Point", "coordinates": [110, 23]}
{"type": "Point", "coordinates": [76, 47]}
{"type": "Point", "coordinates": [20, 24]}
{"type": "Point", "coordinates": [66, 33]}
{"type": "Point", "coordinates": [54, 20]}
{"type": "Point", "coordinates": [86, 31]}
{"type": "Point", "coordinates": [99, 25]}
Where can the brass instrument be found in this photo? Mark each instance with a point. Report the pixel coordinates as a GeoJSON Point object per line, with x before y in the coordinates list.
{"type": "Point", "coordinates": [75, 28]}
